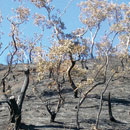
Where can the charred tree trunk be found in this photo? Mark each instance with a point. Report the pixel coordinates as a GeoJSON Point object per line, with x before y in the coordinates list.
{"type": "Point", "coordinates": [51, 73]}
{"type": "Point", "coordinates": [53, 116]}
{"type": "Point", "coordinates": [23, 90]}
{"type": "Point", "coordinates": [83, 64]}
{"type": "Point", "coordinates": [110, 110]}
{"type": "Point", "coordinates": [15, 114]}
{"type": "Point", "coordinates": [71, 81]}
{"type": "Point", "coordinates": [16, 107]}
{"type": "Point", "coordinates": [70, 78]}
{"type": "Point", "coordinates": [91, 52]}
{"type": "Point", "coordinates": [122, 63]}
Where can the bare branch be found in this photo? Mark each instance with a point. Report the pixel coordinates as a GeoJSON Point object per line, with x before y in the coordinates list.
{"type": "Point", "coordinates": [12, 56]}
{"type": "Point", "coordinates": [4, 50]}
{"type": "Point", "coordinates": [60, 101]}
{"type": "Point", "coordinates": [64, 11]}
{"type": "Point", "coordinates": [48, 108]}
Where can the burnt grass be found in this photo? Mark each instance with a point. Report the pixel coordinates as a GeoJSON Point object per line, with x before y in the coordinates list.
{"type": "Point", "coordinates": [36, 117]}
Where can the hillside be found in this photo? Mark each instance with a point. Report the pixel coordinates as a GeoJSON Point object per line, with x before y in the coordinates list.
{"type": "Point", "coordinates": [36, 117]}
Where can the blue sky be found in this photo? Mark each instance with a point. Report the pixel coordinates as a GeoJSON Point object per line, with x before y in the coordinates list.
{"type": "Point", "coordinates": [70, 18]}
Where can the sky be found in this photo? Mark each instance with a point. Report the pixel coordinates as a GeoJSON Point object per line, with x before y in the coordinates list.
{"type": "Point", "coordinates": [70, 18]}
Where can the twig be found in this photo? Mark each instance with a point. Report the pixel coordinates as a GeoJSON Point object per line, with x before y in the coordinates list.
{"type": "Point", "coordinates": [4, 50]}
{"type": "Point", "coordinates": [64, 11]}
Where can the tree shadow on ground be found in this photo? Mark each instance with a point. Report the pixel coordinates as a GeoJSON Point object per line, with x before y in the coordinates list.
{"type": "Point", "coordinates": [50, 93]}
{"type": "Point", "coordinates": [89, 121]}
{"type": "Point", "coordinates": [91, 106]}
{"type": "Point", "coordinates": [55, 125]}
{"type": "Point", "coordinates": [114, 125]}
{"type": "Point", "coordinates": [106, 123]}
{"type": "Point", "coordinates": [113, 100]}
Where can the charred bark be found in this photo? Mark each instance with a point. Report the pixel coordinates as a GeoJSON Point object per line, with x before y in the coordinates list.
{"type": "Point", "coordinates": [51, 73]}
{"type": "Point", "coordinates": [23, 90]}
{"type": "Point", "coordinates": [71, 80]}
{"type": "Point", "coordinates": [16, 107]}
{"type": "Point", "coordinates": [15, 114]}
{"type": "Point", "coordinates": [110, 110]}
{"type": "Point", "coordinates": [73, 62]}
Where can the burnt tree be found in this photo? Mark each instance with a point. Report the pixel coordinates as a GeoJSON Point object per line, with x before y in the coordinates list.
{"type": "Point", "coordinates": [15, 107]}
{"type": "Point", "coordinates": [73, 62]}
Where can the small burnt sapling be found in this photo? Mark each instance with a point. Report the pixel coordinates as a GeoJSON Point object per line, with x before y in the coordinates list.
{"type": "Point", "coordinates": [53, 113]}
